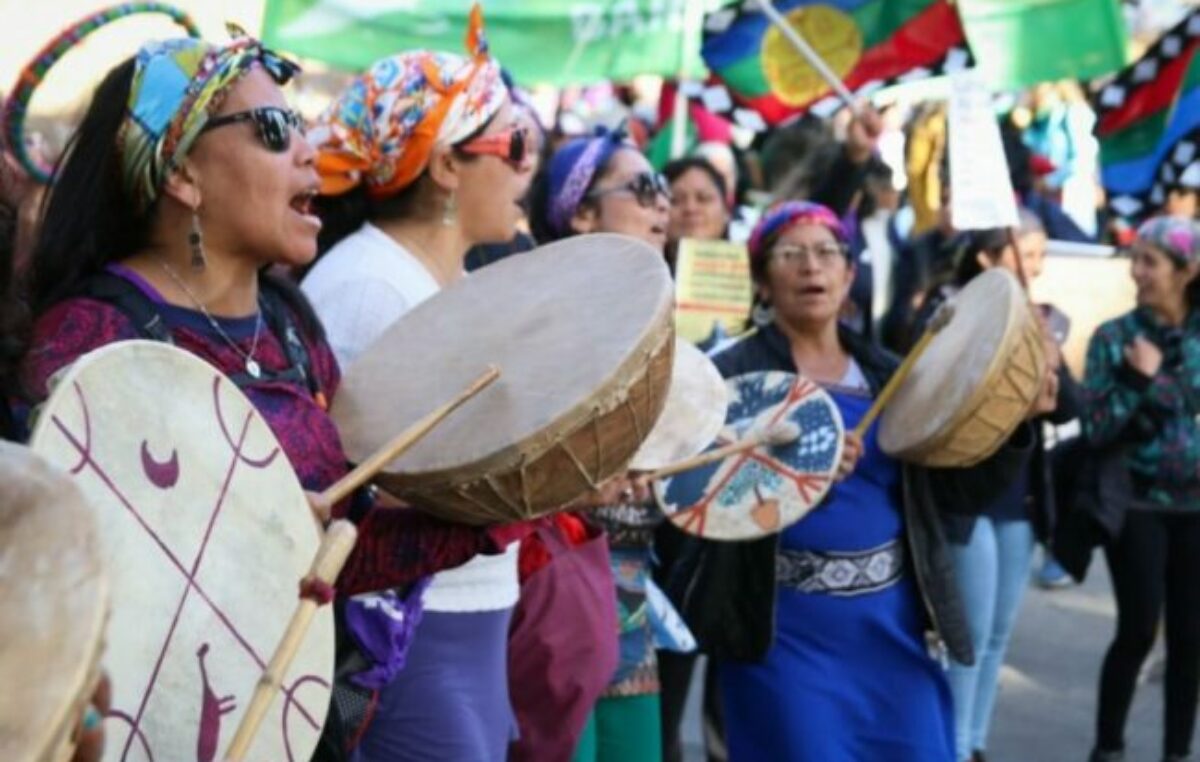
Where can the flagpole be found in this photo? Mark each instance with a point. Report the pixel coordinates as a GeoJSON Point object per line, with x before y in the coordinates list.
{"type": "Point", "coordinates": [803, 48]}
{"type": "Point", "coordinates": [691, 16]}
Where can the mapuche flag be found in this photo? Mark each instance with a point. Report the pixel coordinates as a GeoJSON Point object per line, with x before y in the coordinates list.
{"type": "Point", "coordinates": [868, 43]}
{"type": "Point", "coordinates": [1148, 123]}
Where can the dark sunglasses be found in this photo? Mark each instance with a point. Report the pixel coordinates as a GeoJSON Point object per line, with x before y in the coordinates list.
{"type": "Point", "coordinates": [273, 124]}
{"type": "Point", "coordinates": [512, 145]}
{"type": "Point", "coordinates": [645, 187]}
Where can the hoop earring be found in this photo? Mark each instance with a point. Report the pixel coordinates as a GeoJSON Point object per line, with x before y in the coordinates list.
{"type": "Point", "coordinates": [450, 211]}
{"type": "Point", "coordinates": [762, 314]}
{"type": "Point", "coordinates": [195, 241]}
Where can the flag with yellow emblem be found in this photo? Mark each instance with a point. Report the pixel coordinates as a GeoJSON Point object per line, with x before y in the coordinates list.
{"type": "Point", "coordinates": [868, 43]}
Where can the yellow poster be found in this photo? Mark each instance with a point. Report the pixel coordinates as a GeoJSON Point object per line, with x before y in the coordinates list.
{"type": "Point", "coordinates": [712, 284]}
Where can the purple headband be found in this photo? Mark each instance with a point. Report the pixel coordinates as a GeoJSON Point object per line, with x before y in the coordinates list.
{"type": "Point", "coordinates": [788, 213]}
{"type": "Point", "coordinates": [571, 172]}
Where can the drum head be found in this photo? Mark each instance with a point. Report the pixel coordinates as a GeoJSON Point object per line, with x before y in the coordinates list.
{"type": "Point", "coordinates": [568, 324]}
{"type": "Point", "coordinates": [693, 416]}
{"type": "Point", "coordinates": [769, 488]}
{"type": "Point", "coordinates": [951, 377]}
{"type": "Point", "coordinates": [54, 593]}
{"type": "Point", "coordinates": [207, 534]}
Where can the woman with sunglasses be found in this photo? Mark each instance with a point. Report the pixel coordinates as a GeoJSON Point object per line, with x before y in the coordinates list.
{"type": "Point", "coordinates": [1142, 401]}
{"type": "Point", "coordinates": [186, 180]}
{"type": "Point", "coordinates": [603, 184]}
{"type": "Point", "coordinates": [437, 165]}
{"type": "Point", "coordinates": [815, 664]}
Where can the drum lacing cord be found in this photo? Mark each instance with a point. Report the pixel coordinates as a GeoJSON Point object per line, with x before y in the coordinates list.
{"type": "Point", "coordinates": [317, 590]}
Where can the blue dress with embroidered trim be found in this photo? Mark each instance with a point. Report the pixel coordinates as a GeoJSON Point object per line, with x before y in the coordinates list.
{"type": "Point", "coordinates": [848, 678]}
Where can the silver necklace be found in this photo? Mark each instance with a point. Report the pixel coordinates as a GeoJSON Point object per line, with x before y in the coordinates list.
{"type": "Point", "coordinates": [252, 366]}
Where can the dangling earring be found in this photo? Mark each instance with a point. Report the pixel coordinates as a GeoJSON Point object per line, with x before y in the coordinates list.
{"type": "Point", "coordinates": [762, 314]}
{"type": "Point", "coordinates": [450, 211]}
{"type": "Point", "coordinates": [196, 243]}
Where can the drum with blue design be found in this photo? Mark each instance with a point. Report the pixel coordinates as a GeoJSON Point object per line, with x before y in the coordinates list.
{"type": "Point", "coordinates": [766, 489]}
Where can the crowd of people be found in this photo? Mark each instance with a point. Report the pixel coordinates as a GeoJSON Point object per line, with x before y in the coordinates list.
{"type": "Point", "coordinates": [192, 205]}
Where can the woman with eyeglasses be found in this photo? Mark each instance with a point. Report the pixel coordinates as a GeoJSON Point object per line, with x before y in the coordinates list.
{"type": "Point", "coordinates": [1142, 397]}
{"type": "Point", "coordinates": [186, 180]}
{"type": "Point", "coordinates": [815, 664]}
{"type": "Point", "coordinates": [603, 184]}
{"type": "Point", "coordinates": [437, 164]}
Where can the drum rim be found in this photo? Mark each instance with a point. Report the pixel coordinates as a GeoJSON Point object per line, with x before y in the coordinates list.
{"type": "Point", "coordinates": [54, 741]}
{"type": "Point", "coordinates": [67, 375]}
{"type": "Point", "coordinates": [1021, 319]}
{"type": "Point", "coordinates": [530, 449]}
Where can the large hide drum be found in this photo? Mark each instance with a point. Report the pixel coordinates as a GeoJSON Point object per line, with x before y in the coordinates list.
{"type": "Point", "coordinates": [206, 533]}
{"type": "Point", "coordinates": [582, 332]}
{"type": "Point", "coordinates": [975, 382]}
{"type": "Point", "coordinates": [54, 592]}
{"type": "Point", "coordinates": [693, 415]}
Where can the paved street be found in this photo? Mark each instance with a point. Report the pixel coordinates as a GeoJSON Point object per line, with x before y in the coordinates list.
{"type": "Point", "coordinates": [1048, 692]}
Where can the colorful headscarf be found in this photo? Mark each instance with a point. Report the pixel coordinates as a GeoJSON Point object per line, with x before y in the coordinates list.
{"type": "Point", "coordinates": [177, 85]}
{"type": "Point", "coordinates": [1177, 237]}
{"type": "Point", "coordinates": [784, 215]}
{"type": "Point", "coordinates": [571, 172]}
{"type": "Point", "coordinates": [383, 128]}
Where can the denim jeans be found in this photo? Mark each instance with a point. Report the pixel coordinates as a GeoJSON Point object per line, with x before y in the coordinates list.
{"type": "Point", "coordinates": [993, 572]}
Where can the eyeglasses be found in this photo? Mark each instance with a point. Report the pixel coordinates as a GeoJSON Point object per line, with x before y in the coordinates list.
{"type": "Point", "coordinates": [273, 124]}
{"type": "Point", "coordinates": [824, 254]}
{"type": "Point", "coordinates": [512, 145]}
{"type": "Point", "coordinates": [645, 187]}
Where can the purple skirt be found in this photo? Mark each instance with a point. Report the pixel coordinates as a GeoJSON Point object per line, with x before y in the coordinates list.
{"type": "Point", "coordinates": [450, 702]}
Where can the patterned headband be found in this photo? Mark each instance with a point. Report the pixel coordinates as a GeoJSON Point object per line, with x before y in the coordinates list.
{"type": "Point", "coordinates": [572, 170]}
{"type": "Point", "coordinates": [788, 213]}
{"type": "Point", "coordinates": [34, 73]}
{"type": "Point", "coordinates": [1177, 237]}
{"type": "Point", "coordinates": [382, 129]}
{"type": "Point", "coordinates": [177, 84]}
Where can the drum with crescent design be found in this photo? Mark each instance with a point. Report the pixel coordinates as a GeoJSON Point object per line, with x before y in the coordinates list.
{"type": "Point", "coordinates": [582, 333]}
{"type": "Point", "coordinates": [768, 488]}
{"type": "Point", "coordinates": [207, 533]}
{"type": "Point", "coordinates": [54, 592]}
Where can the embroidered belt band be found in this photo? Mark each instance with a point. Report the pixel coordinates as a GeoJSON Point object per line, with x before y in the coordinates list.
{"type": "Point", "coordinates": [840, 573]}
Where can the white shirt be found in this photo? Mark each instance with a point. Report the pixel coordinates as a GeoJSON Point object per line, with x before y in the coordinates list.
{"type": "Point", "coordinates": [358, 289]}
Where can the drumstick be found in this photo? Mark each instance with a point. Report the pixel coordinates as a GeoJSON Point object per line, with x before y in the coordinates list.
{"type": "Point", "coordinates": [405, 440]}
{"type": "Point", "coordinates": [331, 556]}
{"type": "Point", "coordinates": [940, 320]}
{"type": "Point", "coordinates": [779, 434]}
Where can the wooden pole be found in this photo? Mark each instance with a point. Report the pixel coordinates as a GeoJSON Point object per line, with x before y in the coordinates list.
{"type": "Point", "coordinates": [803, 48]}
{"type": "Point", "coordinates": [331, 556]}
{"type": "Point", "coordinates": [406, 439]}
{"type": "Point", "coordinates": [773, 436]}
{"type": "Point", "coordinates": [940, 320]}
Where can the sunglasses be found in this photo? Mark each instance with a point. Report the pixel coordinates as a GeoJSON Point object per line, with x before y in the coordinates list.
{"type": "Point", "coordinates": [645, 187]}
{"type": "Point", "coordinates": [273, 124]}
{"type": "Point", "coordinates": [513, 145]}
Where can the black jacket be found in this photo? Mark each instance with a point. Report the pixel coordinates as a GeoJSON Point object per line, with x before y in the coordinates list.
{"type": "Point", "coordinates": [726, 590]}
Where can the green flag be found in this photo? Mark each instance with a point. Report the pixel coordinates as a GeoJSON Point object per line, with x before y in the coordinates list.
{"type": "Point", "coordinates": [1022, 42]}
{"type": "Point", "coordinates": [540, 41]}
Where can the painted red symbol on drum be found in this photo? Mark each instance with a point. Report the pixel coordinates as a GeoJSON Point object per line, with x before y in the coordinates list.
{"type": "Point", "coordinates": [212, 708]}
{"type": "Point", "coordinates": [130, 734]}
{"type": "Point", "coordinates": [163, 475]}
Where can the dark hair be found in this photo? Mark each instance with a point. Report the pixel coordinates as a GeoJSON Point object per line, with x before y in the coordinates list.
{"type": "Point", "coordinates": [990, 242]}
{"type": "Point", "coordinates": [344, 214]}
{"type": "Point", "coordinates": [87, 219]}
{"type": "Point", "coordinates": [14, 315]}
{"type": "Point", "coordinates": [679, 167]}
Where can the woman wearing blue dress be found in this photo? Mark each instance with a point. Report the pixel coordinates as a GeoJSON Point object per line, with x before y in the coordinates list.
{"type": "Point", "coordinates": [831, 637]}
